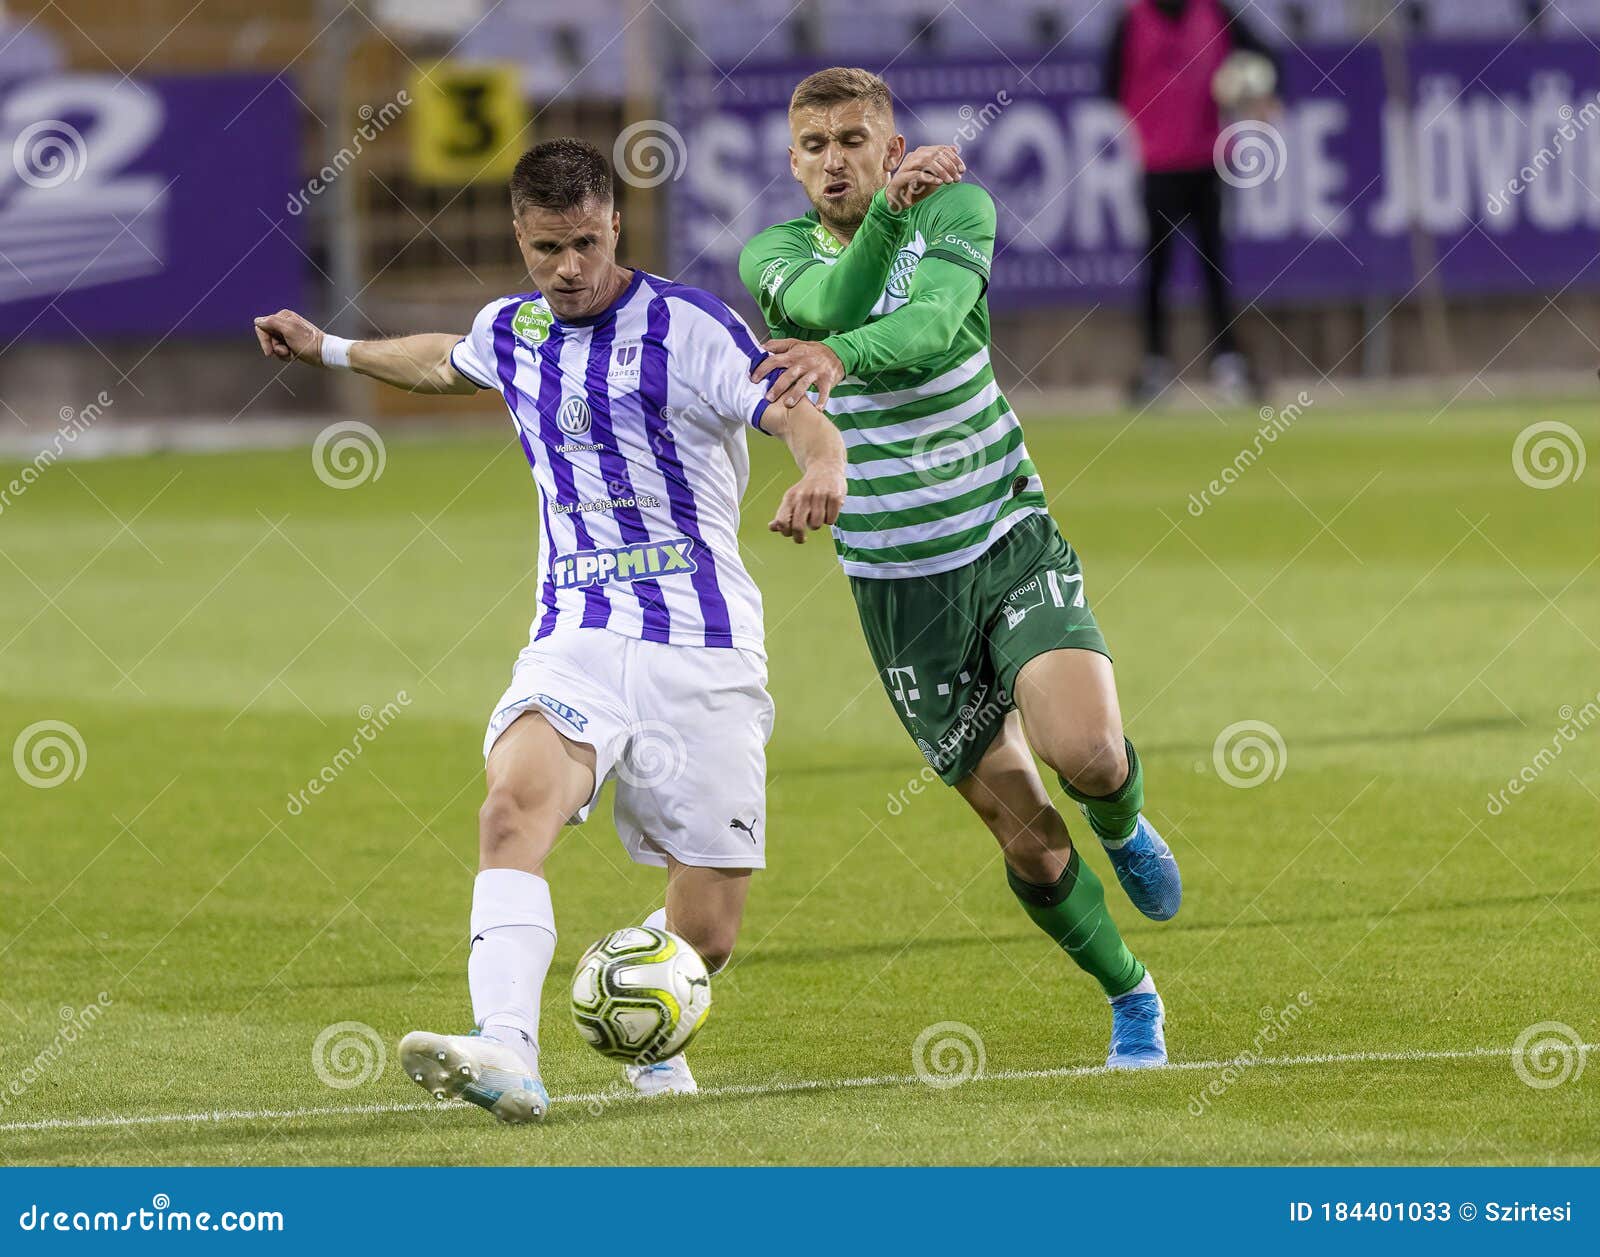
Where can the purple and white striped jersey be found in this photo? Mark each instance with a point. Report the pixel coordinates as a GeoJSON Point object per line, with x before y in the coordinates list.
{"type": "Point", "coordinates": [633, 422]}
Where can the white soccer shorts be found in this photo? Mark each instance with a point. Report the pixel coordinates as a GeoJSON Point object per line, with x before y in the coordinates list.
{"type": "Point", "coordinates": [683, 729]}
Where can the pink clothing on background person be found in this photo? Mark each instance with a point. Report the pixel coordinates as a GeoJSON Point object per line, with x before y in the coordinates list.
{"type": "Point", "coordinates": [1167, 65]}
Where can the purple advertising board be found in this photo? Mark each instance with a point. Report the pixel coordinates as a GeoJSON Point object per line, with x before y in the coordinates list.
{"type": "Point", "coordinates": [1483, 174]}
{"type": "Point", "coordinates": [146, 208]}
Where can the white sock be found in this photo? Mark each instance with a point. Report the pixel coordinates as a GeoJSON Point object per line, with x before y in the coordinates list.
{"type": "Point", "coordinates": [1147, 986]}
{"type": "Point", "coordinates": [513, 942]}
{"type": "Point", "coordinates": [657, 920]}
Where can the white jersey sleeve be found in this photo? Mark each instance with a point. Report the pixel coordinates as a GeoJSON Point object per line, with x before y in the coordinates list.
{"type": "Point", "coordinates": [473, 354]}
{"type": "Point", "coordinates": [715, 348]}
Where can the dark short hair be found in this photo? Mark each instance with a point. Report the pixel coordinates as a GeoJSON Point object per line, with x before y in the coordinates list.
{"type": "Point", "coordinates": [561, 175]}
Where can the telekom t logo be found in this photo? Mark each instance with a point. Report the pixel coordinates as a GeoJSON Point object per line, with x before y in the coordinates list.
{"type": "Point", "coordinates": [903, 685]}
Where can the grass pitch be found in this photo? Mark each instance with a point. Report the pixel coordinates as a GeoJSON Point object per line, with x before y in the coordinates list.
{"type": "Point", "coordinates": [1412, 620]}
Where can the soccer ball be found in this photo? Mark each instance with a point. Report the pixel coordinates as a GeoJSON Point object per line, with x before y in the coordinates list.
{"type": "Point", "coordinates": [640, 995]}
{"type": "Point", "coordinates": [1243, 79]}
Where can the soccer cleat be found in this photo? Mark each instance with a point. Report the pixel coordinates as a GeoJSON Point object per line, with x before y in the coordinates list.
{"type": "Point", "coordinates": [477, 1069]}
{"type": "Point", "coordinates": [668, 1077]}
{"type": "Point", "coordinates": [1235, 382]}
{"type": "Point", "coordinates": [1148, 872]}
{"type": "Point", "coordinates": [1137, 1038]}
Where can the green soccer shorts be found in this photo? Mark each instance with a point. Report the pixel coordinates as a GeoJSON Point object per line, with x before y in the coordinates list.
{"type": "Point", "coordinates": [948, 647]}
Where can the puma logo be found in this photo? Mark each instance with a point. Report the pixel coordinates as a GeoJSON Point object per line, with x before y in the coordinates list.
{"type": "Point", "coordinates": [750, 829]}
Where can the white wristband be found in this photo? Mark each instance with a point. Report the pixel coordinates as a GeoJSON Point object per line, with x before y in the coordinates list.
{"type": "Point", "coordinates": [336, 351]}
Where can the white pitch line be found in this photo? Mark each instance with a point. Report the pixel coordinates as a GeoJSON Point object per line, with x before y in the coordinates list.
{"type": "Point", "coordinates": [223, 1116]}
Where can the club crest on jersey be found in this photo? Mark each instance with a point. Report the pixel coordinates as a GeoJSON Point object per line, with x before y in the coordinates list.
{"type": "Point", "coordinates": [905, 263]}
{"type": "Point", "coordinates": [573, 418]}
{"type": "Point", "coordinates": [625, 363]}
{"type": "Point", "coordinates": [640, 561]}
{"type": "Point", "coordinates": [531, 323]}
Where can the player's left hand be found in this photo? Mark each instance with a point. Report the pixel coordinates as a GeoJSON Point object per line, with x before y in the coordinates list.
{"type": "Point", "coordinates": [812, 502]}
{"type": "Point", "coordinates": [806, 364]}
{"type": "Point", "coordinates": [923, 172]}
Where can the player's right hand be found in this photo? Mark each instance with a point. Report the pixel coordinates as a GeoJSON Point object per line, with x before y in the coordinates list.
{"type": "Point", "coordinates": [286, 336]}
{"type": "Point", "coordinates": [923, 171]}
{"type": "Point", "coordinates": [812, 502]}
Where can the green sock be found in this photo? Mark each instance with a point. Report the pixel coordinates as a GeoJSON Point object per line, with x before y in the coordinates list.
{"type": "Point", "coordinates": [1073, 912]}
{"type": "Point", "coordinates": [1114, 816]}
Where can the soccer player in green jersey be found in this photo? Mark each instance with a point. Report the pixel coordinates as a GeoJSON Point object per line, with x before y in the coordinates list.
{"type": "Point", "coordinates": [972, 604]}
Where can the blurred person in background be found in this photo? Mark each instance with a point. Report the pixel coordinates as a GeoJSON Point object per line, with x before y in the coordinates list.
{"type": "Point", "coordinates": [1161, 66]}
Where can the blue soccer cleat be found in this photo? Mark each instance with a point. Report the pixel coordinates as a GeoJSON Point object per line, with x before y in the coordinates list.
{"type": "Point", "coordinates": [477, 1069]}
{"type": "Point", "coordinates": [1148, 872]}
{"type": "Point", "coordinates": [1137, 1039]}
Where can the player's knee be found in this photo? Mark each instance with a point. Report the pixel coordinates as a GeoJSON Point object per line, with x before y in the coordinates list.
{"type": "Point", "coordinates": [1095, 765]}
{"type": "Point", "coordinates": [516, 824]}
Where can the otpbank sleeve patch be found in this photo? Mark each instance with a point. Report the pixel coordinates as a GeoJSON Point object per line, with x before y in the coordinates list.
{"type": "Point", "coordinates": [672, 557]}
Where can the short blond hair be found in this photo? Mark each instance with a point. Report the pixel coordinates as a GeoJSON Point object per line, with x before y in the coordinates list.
{"type": "Point", "coordinates": [839, 84]}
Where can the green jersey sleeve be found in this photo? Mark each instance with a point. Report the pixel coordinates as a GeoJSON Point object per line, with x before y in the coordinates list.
{"type": "Point", "coordinates": [795, 289]}
{"type": "Point", "coordinates": [958, 223]}
{"type": "Point", "coordinates": [942, 294]}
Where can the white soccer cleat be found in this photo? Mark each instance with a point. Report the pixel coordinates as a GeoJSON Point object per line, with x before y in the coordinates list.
{"type": "Point", "coordinates": [478, 1070]}
{"type": "Point", "coordinates": [668, 1077]}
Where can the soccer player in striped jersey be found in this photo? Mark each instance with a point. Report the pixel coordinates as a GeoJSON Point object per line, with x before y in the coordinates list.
{"type": "Point", "coordinates": [972, 603]}
{"type": "Point", "coordinates": [631, 396]}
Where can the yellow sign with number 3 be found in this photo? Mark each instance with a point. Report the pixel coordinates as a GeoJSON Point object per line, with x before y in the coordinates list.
{"type": "Point", "coordinates": [468, 122]}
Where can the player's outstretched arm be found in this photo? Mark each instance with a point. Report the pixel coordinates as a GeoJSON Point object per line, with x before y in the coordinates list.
{"type": "Point", "coordinates": [418, 364]}
{"type": "Point", "coordinates": [942, 295]}
{"type": "Point", "coordinates": [793, 288]}
{"type": "Point", "coordinates": [815, 500]}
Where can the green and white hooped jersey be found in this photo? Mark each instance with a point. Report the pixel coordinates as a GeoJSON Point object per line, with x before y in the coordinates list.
{"type": "Point", "coordinates": [938, 471]}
